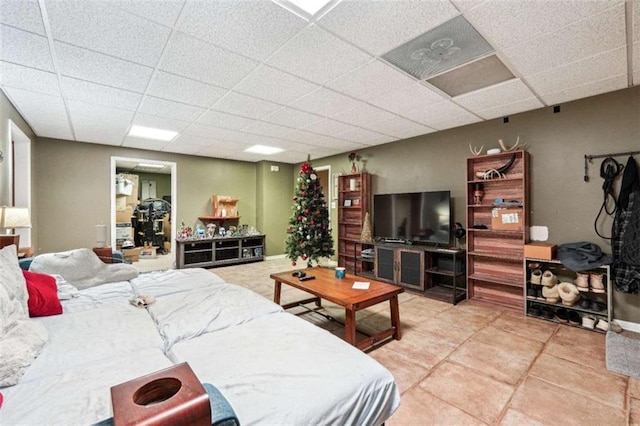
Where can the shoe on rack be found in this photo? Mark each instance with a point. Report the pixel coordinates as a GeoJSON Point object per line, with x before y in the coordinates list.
{"type": "Point", "coordinates": [548, 313]}
{"type": "Point", "coordinates": [548, 279]}
{"type": "Point", "coordinates": [568, 293]}
{"type": "Point", "coordinates": [582, 281]}
{"type": "Point", "coordinates": [598, 306]}
{"type": "Point", "coordinates": [585, 303]}
{"type": "Point", "coordinates": [539, 295]}
{"type": "Point", "coordinates": [562, 315]}
{"type": "Point", "coordinates": [551, 294]}
{"type": "Point", "coordinates": [574, 318]}
{"type": "Point", "coordinates": [602, 325]}
{"type": "Point", "coordinates": [536, 276]}
{"type": "Point", "coordinates": [597, 284]}
{"type": "Point", "coordinates": [534, 310]}
{"type": "Point", "coordinates": [531, 293]}
{"type": "Point", "coordinates": [588, 322]}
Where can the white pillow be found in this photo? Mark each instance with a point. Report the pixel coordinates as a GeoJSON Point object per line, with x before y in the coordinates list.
{"type": "Point", "coordinates": [13, 298]}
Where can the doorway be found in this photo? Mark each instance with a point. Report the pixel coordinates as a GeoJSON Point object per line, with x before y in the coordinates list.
{"type": "Point", "coordinates": [147, 169]}
{"type": "Point", "coordinates": [19, 159]}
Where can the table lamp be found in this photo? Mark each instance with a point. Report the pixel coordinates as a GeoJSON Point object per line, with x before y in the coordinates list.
{"type": "Point", "coordinates": [11, 218]}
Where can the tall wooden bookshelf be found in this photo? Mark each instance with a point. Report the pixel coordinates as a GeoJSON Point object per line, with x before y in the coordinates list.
{"type": "Point", "coordinates": [495, 247]}
{"type": "Point", "coordinates": [354, 201]}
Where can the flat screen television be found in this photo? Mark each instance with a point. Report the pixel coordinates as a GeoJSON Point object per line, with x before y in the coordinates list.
{"type": "Point", "coordinates": [419, 217]}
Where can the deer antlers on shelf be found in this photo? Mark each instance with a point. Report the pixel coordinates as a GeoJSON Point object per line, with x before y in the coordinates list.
{"type": "Point", "coordinates": [476, 151]}
{"type": "Point", "coordinates": [505, 149]}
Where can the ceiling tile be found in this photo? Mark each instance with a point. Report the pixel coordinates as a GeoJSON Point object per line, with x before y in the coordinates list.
{"type": "Point", "coordinates": [53, 130]}
{"type": "Point", "coordinates": [157, 122]}
{"type": "Point", "coordinates": [218, 152]}
{"type": "Point", "coordinates": [194, 140]}
{"type": "Point", "coordinates": [509, 23]}
{"type": "Point", "coordinates": [379, 26]}
{"type": "Point", "coordinates": [407, 99]}
{"type": "Point", "coordinates": [217, 133]}
{"type": "Point", "coordinates": [23, 48]}
{"type": "Point", "coordinates": [246, 106]}
{"type": "Point", "coordinates": [84, 91]}
{"type": "Point", "coordinates": [401, 128]}
{"type": "Point", "coordinates": [449, 123]}
{"type": "Point", "coordinates": [589, 70]}
{"type": "Point", "coordinates": [330, 127]}
{"type": "Point", "coordinates": [499, 94]}
{"type": "Point", "coordinates": [163, 12]}
{"type": "Point", "coordinates": [142, 143]}
{"type": "Point", "coordinates": [325, 102]}
{"type": "Point", "coordinates": [117, 33]}
{"type": "Point", "coordinates": [364, 116]}
{"type": "Point", "coordinates": [185, 149]}
{"type": "Point", "coordinates": [510, 109]}
{"type": "Point", "coordinates": [366, 137]}
{"type": "Point", "coordinates": [303, 136]}
{"type": "Point", "coordinates": [267, 129]}
{"type": "Point", "coordinates": [170, 109]}
{"type": "Point", "coordinates": [340, 144]}
{"type": "Point", "coordinates": [252, 28]}
{"type": "Point", "coordinates": [447, 111]}
{"type": "Point", "coordinates": [86, 65]}
{"type": "Point", "coordinates": [579, 40]}
{"type": "Point", "coordinates": [370, 80]}
{"type": "Point", "coordinates": [185, 90]}
{"type": "Point", "coordinates": [39, 109]}
{"type": "Point", "coordinates": [204, 62]}
{"type": "Point", "coordinates": [20, 77]}
{"type": "Point", "coordinates": [316, 55]}
{"type": "Point", "coordinates": [92, 112]}
{"type": "Point", "coordinates": [274, 85]}
{"type": "Point", "coordinates": [592, 89]}
{"type": "Point", "coordinates": [292, 118]}
{"type": "Point", "coordinates": [23, 14]}
{"type": "Point", "coordinates": [224, 120]}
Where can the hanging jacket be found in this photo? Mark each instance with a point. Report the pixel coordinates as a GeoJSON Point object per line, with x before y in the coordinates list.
{"type": "Point", "coordinates": [626, 232]}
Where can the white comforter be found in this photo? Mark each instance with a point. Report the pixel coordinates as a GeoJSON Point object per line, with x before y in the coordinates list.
{"type": "Point", "coordinates": [281, 370]}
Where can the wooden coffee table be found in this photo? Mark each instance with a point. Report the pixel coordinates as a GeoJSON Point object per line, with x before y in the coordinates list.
{"type": "Point", "coordinates": [341, 292]}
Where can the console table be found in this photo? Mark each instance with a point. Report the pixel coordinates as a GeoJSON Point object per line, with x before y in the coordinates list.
{"type": "Point", "coordinates": [211, 252]}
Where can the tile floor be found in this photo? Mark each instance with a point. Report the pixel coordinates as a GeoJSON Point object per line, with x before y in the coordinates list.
{"type": "Point", "coordinates": [476, 364]}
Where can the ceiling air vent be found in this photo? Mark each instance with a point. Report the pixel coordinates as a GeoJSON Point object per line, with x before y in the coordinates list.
{"type": "Point", "coordinates": [447, 46]}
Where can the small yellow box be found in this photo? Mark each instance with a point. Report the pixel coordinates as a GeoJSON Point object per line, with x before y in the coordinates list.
{"type": "Point", "coordinates": [543, 251]}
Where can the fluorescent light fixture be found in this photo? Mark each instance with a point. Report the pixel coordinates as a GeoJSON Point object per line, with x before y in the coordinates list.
{"type": "Point", "coordinates": [307, 9]}
{"type": "Point", "coordinates": [151, 166]}
{"type": "Point", "coordinates": [151, 133]}
{"type": "Point", "coordinates": [263, 149]}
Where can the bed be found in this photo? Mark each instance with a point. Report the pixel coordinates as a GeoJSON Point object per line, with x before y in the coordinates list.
{"type": "Point", "coordinates": [271, 366]}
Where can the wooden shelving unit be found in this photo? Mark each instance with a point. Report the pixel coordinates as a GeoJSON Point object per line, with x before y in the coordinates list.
{"type": "Point", "coordinates": [219, 251]}
{"type": "Point", "coordinates": [494, 254]}
{"type": "Point", "coordinates": [354, 201]}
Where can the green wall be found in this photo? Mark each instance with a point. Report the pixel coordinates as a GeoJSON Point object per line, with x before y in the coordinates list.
{"type": "Point", "coordinates": [274, 200]}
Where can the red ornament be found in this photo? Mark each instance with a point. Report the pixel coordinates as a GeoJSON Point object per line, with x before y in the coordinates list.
{"type": "Point", "coordinates": [293, 263]}
{"type": "Point", "coordinates": [304, 194]}
{"type": "Point", "coordinates": [306, 211]}
{"type": "Point", "coordinates": [299, 218]}
{"type": "Point", "coordinates": [304, 257]}
{"type": "Point", "coordinates": [313, 222]}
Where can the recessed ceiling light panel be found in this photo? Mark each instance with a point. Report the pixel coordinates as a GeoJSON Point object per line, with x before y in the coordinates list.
{"type": "Point", "coordinates": [447, 46]}
{"type": "Point", "coordinates": [263, 149]}
{"type": "Point", "coordinates": [151, 133]}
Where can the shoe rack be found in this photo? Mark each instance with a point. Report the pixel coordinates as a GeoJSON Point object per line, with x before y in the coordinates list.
{"type": "Point", "coordinates": [495, 249]}
{"type": "Point", "coordinates": [591, 309]}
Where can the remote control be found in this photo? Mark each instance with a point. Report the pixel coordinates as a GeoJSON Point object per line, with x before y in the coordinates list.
{"type": "Point", "coordinates": [308, 277]}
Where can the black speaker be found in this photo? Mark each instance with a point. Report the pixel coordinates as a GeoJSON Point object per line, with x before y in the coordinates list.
{"type": "Point", "coordinates": [458, 231]}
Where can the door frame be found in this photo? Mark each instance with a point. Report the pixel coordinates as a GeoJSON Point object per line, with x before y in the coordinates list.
{"type": "Point", "coordinates": [174, 196]}
{"type": "Point", "coordinates": [18, 158]}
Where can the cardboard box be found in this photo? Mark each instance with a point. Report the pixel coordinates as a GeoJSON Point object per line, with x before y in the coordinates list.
{"type": "Point", "coordinates": [148, 253]}
{"type": "Point", "coordinates": [544, 251]}
{"type": "Point", "coordinates": [132, 254]}
{"type": "Point", "coordinates": [507, 219]}
{"type": "Point", "coordinates": [124, 215]}
{"type": "Point", "coordinates": [121, 203]}
{"type": "Point", "coordinates": [124, 231]}
{"type": "Point", "coordinates": [132, 197]}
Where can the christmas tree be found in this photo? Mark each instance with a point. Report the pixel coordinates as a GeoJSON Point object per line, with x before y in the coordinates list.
{"type": "Point", "coordinates": [309, 233]}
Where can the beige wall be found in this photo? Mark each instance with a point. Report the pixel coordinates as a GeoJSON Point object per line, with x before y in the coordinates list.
{"type": "Point", "coordinates": [560, 199]}
{"type": "Point", "coordinates": [72, 179]}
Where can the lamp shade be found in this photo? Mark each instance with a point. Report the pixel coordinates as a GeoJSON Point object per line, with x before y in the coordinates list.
{"type": "Point", "coordinates": [14, 217]}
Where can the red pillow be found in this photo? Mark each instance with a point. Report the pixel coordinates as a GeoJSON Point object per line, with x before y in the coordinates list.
{"type": "Point", "coordinates": [43, 295]}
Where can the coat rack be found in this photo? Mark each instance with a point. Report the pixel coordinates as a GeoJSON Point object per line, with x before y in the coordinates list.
{"type": "Point", "coordinates": [589, 159]}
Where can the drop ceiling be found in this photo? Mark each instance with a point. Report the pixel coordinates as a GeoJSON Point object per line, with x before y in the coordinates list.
{"type": "Point", "coordinates": [227, 75]}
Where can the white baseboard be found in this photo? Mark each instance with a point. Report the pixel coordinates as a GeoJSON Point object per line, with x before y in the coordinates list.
{"type": "Point", "coordinates": [628, 325]}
